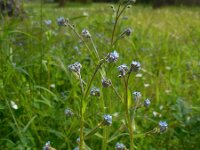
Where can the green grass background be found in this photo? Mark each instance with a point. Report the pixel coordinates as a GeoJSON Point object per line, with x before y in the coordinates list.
{"type": "Point", "coordinates": [34, 56]}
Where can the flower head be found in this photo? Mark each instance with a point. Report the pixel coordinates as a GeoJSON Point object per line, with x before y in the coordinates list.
{"type": "Point", "coordinates": [86, 33]}
{"type": "Point", "coordinates": [47, 146]}
{"type": "Point", "coordinates": [61, 21]}
{"type": "Point", "coordinates": [76, 67]}
{"type": "Point", "coordinates": [147, 102]}
{"type": "Point", "coordinates": [47, 22]}
{"type": "Point", "coordinates": [120, 146]}
{"type": "Point", "coordinates": [135, 66]}
{"type": "Point", "coordinates": [76, 148]}
{"type": "Point", "coordinates": [127, 32]}
{"type": "Point", "coordinates": [123, 69]}
{"type": "Point", "coordinates": [107, 120]}
{"type": "Point", "coordinates": [137, 95]}
{"type": "Point", "coordinates": [106, 82]}
{"type": "Point", "coordinates": [113, 57]}
{"type": "Point", "coordinates": [95, 91]}
{"type": "Point", "coordinates": [163, 126]}
{"type": "Point", "coordinates": [68, 112]}
{"type": "Point", "coordinates": [78, 140]}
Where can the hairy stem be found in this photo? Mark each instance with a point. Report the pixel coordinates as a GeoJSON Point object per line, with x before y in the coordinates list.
{"type": "Point", "coordinates": [95, 49]}
{"type": "Point", "coordinates": [117, 93]}
{"type": "Point", "coordinates": [118, 14]}
{"type": "Point", "coordinates": [81, 38]}
{"type": "Point", "coordinates": [105, 137]}
{"type": "Point", "coordinates": [81, 114]}
{"type": "Point", "coordinates": [94, 74]}
{"type": "Point", "coordinates": [93, 131]}
{"type": "Point", "coordinates": [128, 117]}
{"type": "Point", "coordinates": [115, 24]}
{"type": "Point", "coordinates": [81, 83]}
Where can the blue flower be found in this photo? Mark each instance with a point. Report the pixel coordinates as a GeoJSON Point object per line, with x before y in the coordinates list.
{"type": "Point", "coordinates": [135, 66]}
{"type": "Point", "coordinates": [107, 120]}
{"type": "Point", "coordinates": [123, 69]}
{"type": "Point", "coordinates": [86, 33]}
{"type": "Point", "coordinates": [68, 112]}
{"type": "Point", "coordinates": [95, 91]}
{"type": "Point", "coordinates": [120, 146]}
{"type": "Point", "coordinates": [78, 140]}
{"type": "Point", "coordinates": [47, 146]}
{"type": "Point", "coordinates": [128, 32]}
{"type": "Point", "coordinates": [76, 148]}
{"type": "Point", "coordinates": [61, 21]}
{"type": "Point", "coordinates": [106, 82]}
{"type": "Point", "coordinates": [163, 126]}
{"type": "Point", "coordinates": [47, 22]}
{"type": "Point", "coordinates": [137, 95]}
{"type": "Point", "coordinates": [113, 57]}
{"type": "Point", "coordinates": [147, 102]}
{"type": "Point", "coordinates": [76, 67]}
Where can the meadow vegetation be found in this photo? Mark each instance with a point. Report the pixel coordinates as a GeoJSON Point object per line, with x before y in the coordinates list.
{"type": "Point", "coordinates": [36, 85]}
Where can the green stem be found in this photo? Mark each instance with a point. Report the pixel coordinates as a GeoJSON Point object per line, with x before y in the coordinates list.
{"type": "Point", "coordinates": [116, 93]}
{"type": "Point", "coordinates": [81, 126]}
{"type": "Point", "coordinates": [127, 114]}
{"type": "Point", "coordinates": [82, 114]}
{"type": "Point", "coordinates": [114, 28]}
{"type": "Point", "coordinates": [118, 14]}
{"type": "Point", "coordinates": [80, 37]}
{"type": "Point", "coordinates": [95, 49]}
{"type": "Point", "coordinates": [105, 136]}
{"type": "Point", "coordinates": [81, 83]}
{"type": "Point", "coordinates": [93, 131]}
{"type": "Point", "coordinates": [85, 94]}
{"type": "Point", "coordinates": [93, 76]}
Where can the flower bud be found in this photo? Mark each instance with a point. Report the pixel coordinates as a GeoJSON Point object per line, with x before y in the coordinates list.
{"type": "Point", "coordinates": [163, 126]}
{"type": "Point", "coordinates": [86, 33]}
{"type": "Point", "coordinates": [106, 82]}
{"type": "Point", "coordinates": [107, 120]}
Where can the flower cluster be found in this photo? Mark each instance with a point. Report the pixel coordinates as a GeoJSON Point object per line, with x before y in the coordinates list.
{"type": "Point", "coordinates": [95, 91]}
{"type": "Point", "coordinates": [123, 69]}
{"type": "Point", "coordinates": [78, 140]}
{"type": "Point", "coordinates": [47, 22]}
{"type": "Point", "coordinates": [135, 66]}
{"type": "Point", "coordinates": [86, 33]}
{"type": "Point", "coordinates": [113, 57]}
{"type": "Point", "coordinates": [106, 82]}
{"type": "Point", "coordinates": [137, 95]}
{"type": "Point", "coordinates": [163, 126]}
{"type": "Point", "coordinates": [120, 146]}
{"type": "Point", "coordinates": [61, 21]}
{"type": "Point", "coordinates": [47, 146]}
{"type": "Point", "coordinates": [76, 148]}
{"type": "Point", "coordinates": [68, 112]}
{"type": "Point", "coordinates": [147, 102]}
{"type": "Point", "coordinates": [127, 32]}
{"type": "Point", "coordinates": [76, 67]}
{"type": "Point", "coordinates": [107, 120]}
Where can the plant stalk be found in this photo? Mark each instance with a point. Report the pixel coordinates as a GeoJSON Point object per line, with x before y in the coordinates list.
{"type": "Point", "coordinates": [127, 113]}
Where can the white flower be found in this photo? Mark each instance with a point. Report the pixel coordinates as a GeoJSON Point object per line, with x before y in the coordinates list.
{"type": "Point", "coordinates": [13, 105]}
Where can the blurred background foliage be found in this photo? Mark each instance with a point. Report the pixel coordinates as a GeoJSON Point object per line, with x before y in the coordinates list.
{"type": "Point", "coordinates": [15, 7]}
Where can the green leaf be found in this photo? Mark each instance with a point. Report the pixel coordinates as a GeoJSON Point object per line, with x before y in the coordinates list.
{"type": "Point", "coordinates": [129, 99]}
{"type": "Point", "coordinates": [29, 123]}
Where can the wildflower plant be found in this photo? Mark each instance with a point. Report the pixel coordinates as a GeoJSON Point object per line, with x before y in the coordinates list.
{"type": "Point", "coordinates": [102, 62]}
